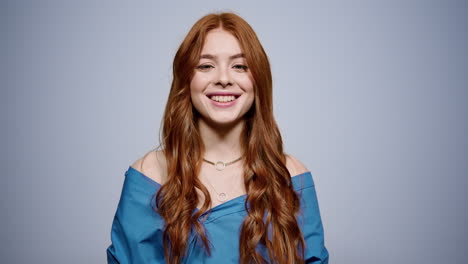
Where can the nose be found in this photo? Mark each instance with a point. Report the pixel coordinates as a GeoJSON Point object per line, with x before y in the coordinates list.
{"type": "Point", "coordinates": [223, 78]}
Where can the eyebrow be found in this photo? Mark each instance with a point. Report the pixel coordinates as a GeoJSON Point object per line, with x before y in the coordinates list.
{"type": "Point", "coordinates": [209, 56]}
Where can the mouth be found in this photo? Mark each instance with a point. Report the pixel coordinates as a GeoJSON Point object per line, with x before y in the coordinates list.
{"type": "Point", "coordinates": [223, 100]}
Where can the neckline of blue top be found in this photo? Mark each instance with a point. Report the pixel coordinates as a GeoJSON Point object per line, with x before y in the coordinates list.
{"type": "Point", "coordinates": [300, 181]}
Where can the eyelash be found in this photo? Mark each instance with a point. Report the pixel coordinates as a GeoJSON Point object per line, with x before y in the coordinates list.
{"type": "Point", "coordinates": [206, 66]}
{"type": "Point", "coordinates": [242, 66]}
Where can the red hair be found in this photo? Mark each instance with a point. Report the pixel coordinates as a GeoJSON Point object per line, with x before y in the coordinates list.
{"type": "Point", "coordinates": [273, 202]}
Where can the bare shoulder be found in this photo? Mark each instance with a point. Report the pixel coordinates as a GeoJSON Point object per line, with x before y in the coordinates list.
{"type": "Point", "coordinates": [294, 165]}
{"type": "Point", "coordinates": [152, 165]}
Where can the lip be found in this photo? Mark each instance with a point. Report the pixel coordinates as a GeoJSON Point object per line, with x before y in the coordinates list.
{"type": "Point", "coordinates": [224, 104]}
{"type": "Point", "coordinates": [223, 94]}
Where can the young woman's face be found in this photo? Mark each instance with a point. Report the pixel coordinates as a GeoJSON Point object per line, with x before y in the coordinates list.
{"type": "Point", "coordinates": [222, 88]}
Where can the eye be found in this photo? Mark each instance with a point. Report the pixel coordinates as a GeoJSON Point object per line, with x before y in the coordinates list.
{"type": "Point", "coordinates": [204, 67]}
{"type": "Point", "coordinates": [241, 67]}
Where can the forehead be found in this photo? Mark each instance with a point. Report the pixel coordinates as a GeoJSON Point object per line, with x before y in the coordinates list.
{"type": "Point", "coordinates": [220, 42]}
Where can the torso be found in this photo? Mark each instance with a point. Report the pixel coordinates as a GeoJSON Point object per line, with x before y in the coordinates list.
{"type": "Point", "coordinates": [230, 180]}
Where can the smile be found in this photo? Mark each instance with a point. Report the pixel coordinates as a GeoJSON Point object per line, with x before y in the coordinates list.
{"type": "Point", "coordinates": [223, 101]}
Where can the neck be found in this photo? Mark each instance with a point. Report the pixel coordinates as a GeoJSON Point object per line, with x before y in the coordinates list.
{"type": "Point", "coordinates": [221, 142]}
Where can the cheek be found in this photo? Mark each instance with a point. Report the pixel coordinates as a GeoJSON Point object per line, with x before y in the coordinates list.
{"type": "Point", "coordinates": [246, 83]}
{"type": "Point", "coordinates": [197, 84]}
{"type": "Point", "coordinates": [248, 86]}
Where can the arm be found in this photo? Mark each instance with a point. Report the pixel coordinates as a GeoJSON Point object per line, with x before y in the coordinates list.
{"type": "Point", "coordinates": [309, 219]}
{"type": "Point", "coordinates": [315, 250]}
{"type": "Point", "coordinates": [118, 251]}
{"type": "Point", "coordinates": [136, 233]}
{"type": "Point", "coordinates": [312, 228]}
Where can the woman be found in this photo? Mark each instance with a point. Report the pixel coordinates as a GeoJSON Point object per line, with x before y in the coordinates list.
{"type": "Point", "coordinates": [221, 189]}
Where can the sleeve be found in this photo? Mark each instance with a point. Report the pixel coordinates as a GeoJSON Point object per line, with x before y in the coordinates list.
{"type": "Point", "coordinates": [118, 252]}
{"type": "Point", "coordinates": [136, 234]}
{"type": "Point", "coordinates": [312, 228]}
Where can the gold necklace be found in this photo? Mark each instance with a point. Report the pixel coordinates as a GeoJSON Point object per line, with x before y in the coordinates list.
{"type": "Point", "coordinates": [222, 197]}
{"type": "Point", "coordinates": [219, 165]}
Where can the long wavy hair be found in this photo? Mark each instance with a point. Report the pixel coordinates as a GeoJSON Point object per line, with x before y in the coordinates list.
{"type": "Point", "coordinates": [271, 202]}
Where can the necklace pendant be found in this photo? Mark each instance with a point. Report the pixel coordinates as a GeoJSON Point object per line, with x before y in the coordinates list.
{"type": "Point", "coordinates": [222, 197]}
{"type": "Point", "coordinates": [219, 165]}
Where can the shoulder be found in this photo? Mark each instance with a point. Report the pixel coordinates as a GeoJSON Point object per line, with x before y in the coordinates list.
{"type": "Point", "coordinates": [295, 166]}
{"type": "Point", "coordinates": [152, 165]}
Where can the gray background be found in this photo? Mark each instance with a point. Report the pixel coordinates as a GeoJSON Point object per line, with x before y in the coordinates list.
{"type": "Point", "coordinates": [369, 95]}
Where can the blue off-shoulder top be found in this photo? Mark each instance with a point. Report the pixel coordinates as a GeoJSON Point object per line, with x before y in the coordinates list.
{"type": "Point", "coordinates": [137, 229]}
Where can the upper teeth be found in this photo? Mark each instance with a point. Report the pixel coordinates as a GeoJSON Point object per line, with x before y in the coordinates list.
{"type": "Point", "coordinates": [223, 98]}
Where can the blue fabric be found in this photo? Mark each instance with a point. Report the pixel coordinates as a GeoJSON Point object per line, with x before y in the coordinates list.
{"type": "Point", "coordinates": [137, 229]}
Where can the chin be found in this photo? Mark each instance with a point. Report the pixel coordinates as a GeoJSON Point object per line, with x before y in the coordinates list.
{"type": "Point", "coordinates": [224, 122]}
